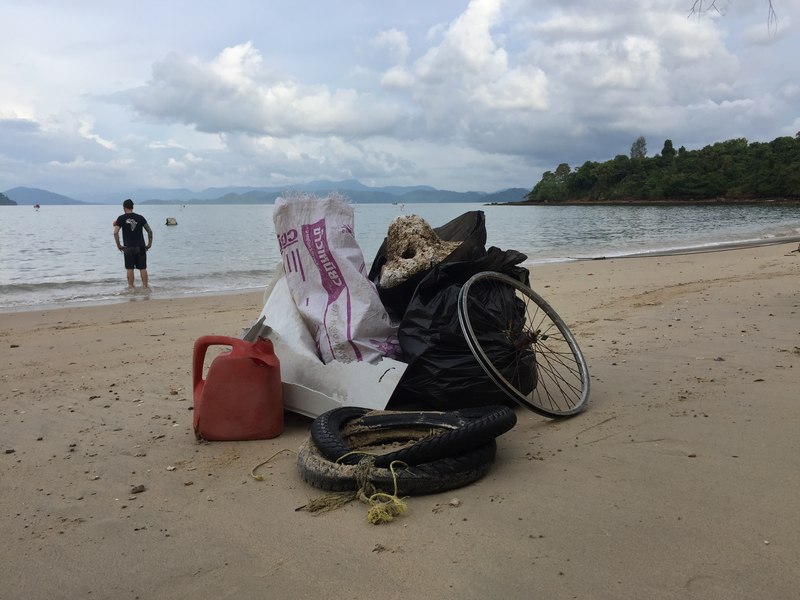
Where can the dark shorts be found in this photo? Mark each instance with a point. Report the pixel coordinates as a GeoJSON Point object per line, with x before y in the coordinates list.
{"type": "Point", "coordinates": [135, 257]}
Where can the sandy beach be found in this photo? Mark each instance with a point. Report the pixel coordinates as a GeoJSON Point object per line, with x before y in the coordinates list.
{"type": "Point", "coordinates": [680, 480]}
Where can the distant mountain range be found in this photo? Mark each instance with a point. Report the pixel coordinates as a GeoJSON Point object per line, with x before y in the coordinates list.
{"type": "Point", "coordinates": [354, 190]}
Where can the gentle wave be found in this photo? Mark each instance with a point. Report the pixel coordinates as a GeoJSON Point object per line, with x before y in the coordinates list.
{"type": "Point", "coordinates": [222, 249]}
{"type": "Point", "coordinates": [34, 296]}
{"type": "Point", "coordinates": [696, 249]}
{"type": "Point", "coordinates": [47, 286]}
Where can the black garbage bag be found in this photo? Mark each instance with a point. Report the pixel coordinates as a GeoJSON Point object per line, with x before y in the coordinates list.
{"type": "Point", "coordinates": [468, 228]}
{"type": "Point", "coordinates": [442, 372]}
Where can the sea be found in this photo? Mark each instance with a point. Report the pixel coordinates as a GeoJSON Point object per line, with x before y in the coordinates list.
{"type": "Point", "coordinates": [60, 256]}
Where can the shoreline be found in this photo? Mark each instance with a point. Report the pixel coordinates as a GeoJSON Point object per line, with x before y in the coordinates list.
{"type": "Point", "coordinates": [686, 457]}
{"type": "Point", "coordinates": [716, 247]}
{"type": "Point", "coordinates": [709, 202]}
{"type": "Point", "coordinates": [141, 296]}
{"type": "Point", "coordinates": [138, 296]}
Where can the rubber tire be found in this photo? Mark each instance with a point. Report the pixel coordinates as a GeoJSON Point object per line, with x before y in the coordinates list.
{"type": "Point", "coordinates": [468, 429]}
{"type": "Point", "coordinates": [428, 478]}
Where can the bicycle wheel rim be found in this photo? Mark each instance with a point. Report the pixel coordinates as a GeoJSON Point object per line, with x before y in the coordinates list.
{"type": "Point", "coordinates": [541, 343]}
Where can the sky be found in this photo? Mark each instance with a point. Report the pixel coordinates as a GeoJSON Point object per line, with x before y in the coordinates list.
{"type": "Point", "coordinates": [479, 95]}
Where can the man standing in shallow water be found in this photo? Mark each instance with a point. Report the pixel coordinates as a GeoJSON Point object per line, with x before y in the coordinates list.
{"type": "Point", "coordinates": [133, 247]}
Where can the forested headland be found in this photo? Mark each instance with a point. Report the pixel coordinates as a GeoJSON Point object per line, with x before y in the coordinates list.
{"type": "Point", "coordinates": [734, 170]}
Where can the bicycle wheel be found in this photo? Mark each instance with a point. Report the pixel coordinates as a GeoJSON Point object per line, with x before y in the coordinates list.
{"type": "Point", "coordinates": [523, 345]}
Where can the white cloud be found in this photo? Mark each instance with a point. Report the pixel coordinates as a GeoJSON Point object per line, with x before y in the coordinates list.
{"type": "Point", "coordinates": [464, 95]}
{"type": "Point", "coordinates": [235, 92]}
{"type": "Point", "coordinates": [85, 129]}
{"type": "Point", "coordinates": [396, 44]}
{"type": "Point", "coordinates": [187, 161]}
{"type": "Point", "coordinates": [397, 77]}
{"type": "Point", "coordinates": [522, 89]}
{"type": "Point", "coordinates": [467, 50]}
{"type": "Point", "coordinates": [161, 145]}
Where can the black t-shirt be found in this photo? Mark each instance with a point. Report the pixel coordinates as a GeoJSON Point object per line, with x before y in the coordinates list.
{"type": "Point", "coordinates": [132, 226]}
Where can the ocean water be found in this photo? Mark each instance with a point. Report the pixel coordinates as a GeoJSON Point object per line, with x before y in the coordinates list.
{"type": "Point", "coordinates": [65, 255]}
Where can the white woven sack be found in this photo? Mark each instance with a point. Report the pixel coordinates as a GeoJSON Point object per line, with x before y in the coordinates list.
{"type": "Point", "coordinates": [327, 278]}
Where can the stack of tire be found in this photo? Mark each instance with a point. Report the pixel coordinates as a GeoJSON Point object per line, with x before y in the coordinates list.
{"type": "Point", "coordinates": [448, 450]}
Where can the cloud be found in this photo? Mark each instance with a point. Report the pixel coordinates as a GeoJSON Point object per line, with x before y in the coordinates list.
{"type": "Point", "coordinates": [85, 130]}
{"type": "Point", "coordinates": [58, 138]}
{"type": "Point", "coordinates": [465, 95]}
{"type": "Point", "coordinates": [187, 161]}
{"type": "Point", "coordinates": [442, 92]}
{"type": "Point", "coordinates": [235, 92]}
{"type": "Point", "coordinates": [161, 145]}
{"type": "Point", "coordinates": [395, 42]}
{"type": "Point", "coordinates": [398, 77]}
{"type": "Point", "coordinates": [467, 50]}
{"type": "Point", "coordinates": [12, 126]}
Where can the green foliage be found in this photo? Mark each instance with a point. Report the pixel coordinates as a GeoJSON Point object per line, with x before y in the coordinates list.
{"type": "Point", "coordinates": [733, 169]}
{"type": "Point", "coordinates": [6, 201]}
{"type": "Point", "coordinates": [639, 148]}
{"type": "Point", "coordinates": [549, 189]}
{"type": "Point", "coordinates": [668, 151]}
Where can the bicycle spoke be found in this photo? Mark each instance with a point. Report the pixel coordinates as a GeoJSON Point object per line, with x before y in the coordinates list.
{"type": "Point", "coordinates": [541, 349]}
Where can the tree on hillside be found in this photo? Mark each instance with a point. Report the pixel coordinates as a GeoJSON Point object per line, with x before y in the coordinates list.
{"type": "Point", "coordinates": [639, 148]}
{"type": "Point", "coordinates": [668, 151]}
{"type": "Point", "coordinates": [582, 180]}
{"type": "Point", "coordinates": [732, 170]}
{"type": "Point", "coordinates": [562, 172]}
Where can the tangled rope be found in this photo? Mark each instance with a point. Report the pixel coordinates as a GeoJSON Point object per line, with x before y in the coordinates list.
{"type": "Point", "coordinates": [383, 507]}
{"type": "Point", "coordinates": [259, 477]}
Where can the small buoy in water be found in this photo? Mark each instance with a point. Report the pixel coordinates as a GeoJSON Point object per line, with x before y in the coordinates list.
{"type": "Point", "coordinates": [171, 221]}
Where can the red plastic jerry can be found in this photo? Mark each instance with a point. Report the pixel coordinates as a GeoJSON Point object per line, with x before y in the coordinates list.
{"type": "Point", "coordinates": [241, 397]}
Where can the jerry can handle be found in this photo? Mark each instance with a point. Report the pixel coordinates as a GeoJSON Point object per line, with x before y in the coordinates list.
{"type": "Point", "coordinates": [201, 347]}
